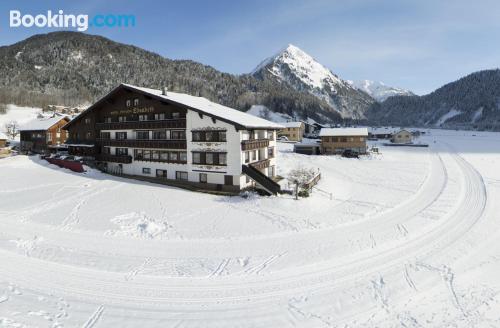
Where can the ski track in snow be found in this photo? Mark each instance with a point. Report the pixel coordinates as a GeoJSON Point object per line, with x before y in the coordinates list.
{"type": "Point", "coordinates": [306, 274]}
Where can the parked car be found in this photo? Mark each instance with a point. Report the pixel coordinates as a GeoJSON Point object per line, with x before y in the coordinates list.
{"type": "Point", "coordinates": [349, 154]}
{"type": "Point", "coordinates": [282, 138]}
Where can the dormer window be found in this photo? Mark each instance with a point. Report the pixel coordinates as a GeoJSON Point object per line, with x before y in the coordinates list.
{"type": "Point", "coordinates": [136, 102]}
{"type": "Point", "coordinates": [128, 103]}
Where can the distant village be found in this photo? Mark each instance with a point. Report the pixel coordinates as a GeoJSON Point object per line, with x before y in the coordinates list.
{"type": "Point", "coordinates": [186, 141]}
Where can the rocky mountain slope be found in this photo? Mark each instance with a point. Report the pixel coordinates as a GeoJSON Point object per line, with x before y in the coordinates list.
{"type": "Point", "coordinates": [72, 68]}
{"type": "Point", "coordinates": [295, 68]}
{"type": "Point", "coordinates": [378, 90]}
{"type": "Point", "coordinates": [470, 102]}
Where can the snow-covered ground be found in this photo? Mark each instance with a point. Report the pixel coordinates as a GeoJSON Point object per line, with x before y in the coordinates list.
{"type": "Point", "coordinates": [407, 238]}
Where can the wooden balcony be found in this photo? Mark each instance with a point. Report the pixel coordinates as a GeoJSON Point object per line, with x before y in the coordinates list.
{"type": "Point", "coordinates": [143, 143]}
{"type": "Point", "coordinates": [262, 164]}
{"type": "Point", "coordinates": [143, 125]}
{"type": "Point", "coordinates": [254, 144]}
{"type": "Point", "coordinates": [124, 159]}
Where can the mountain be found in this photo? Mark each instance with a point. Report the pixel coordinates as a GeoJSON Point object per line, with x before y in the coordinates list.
{"type": "Point", "coordinates": [378, 90]}
{"type": "Point", "coordinates": [72, 68]}
{"type": "Point", "coordinates": [470, 102]}
{"type": "Point", "coordinates": [295, 68]}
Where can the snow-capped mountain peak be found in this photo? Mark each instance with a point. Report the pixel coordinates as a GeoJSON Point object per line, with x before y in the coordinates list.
{"type": "Point", "coordinates": [298, 69]}
{"type": "Point", "coordinates": [379, 90]}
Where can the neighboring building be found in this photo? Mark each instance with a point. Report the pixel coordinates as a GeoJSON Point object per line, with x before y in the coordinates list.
{"type": "Point", "coordinates": [382, 132]}
{"type": "Point", "coordinates": [402, 137]}
{"type": "Point", "coordinates": [338, 140]}
{"type": "Point", "coordinates": [44, 135]}
{"type": "Point", "coordinates": [294, 131]}
{"type": "Point", "coordinates": [307, 148]}
{"type": "Point", "coordinates": [176, 138]}
{"type": "Point", "coordinates": [3, 140]}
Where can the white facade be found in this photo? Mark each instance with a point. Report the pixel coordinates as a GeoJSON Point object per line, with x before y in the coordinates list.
{"type": "Point", "coordinates": [215, 174]}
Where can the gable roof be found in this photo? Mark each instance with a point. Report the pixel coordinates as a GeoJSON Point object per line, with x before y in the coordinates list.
{"type": "Point", "coordinates": [198, 104]}
{"type": "Point", "coordinates": [41, 124]}
{"type": "Point", "coordinates": [341, 132]}
{"type": "Point", "coordinates": [292, 124]}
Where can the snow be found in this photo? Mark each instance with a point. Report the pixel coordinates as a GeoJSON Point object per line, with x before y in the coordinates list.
{"type": "Point", "coordinates": [211, 108]}
{"type": "Point", "coordinates": [379, 90]}
{"type": "Point", "coordinates": [305, 67]}
{"type": "Point", "coordinates": [452, 113]}
{"type": "Point", "coordinates": [265, 113]}
{"type": "Point", "coordinates": [40, 123]}
{"type": "Point", "coordinates": [405, 238]}
{"type": "Point", "coordinates": [340, 132]}
{"type": "Point", "coordinates": [292, 124]}
{"type": "Point", "coordinates": [21, 115]}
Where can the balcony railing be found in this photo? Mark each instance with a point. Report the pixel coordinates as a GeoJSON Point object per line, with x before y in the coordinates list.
{"type": "Point", "coordinates": [262, 164]}
{"type": "Point", "coordinates": [143, 143]}
{"type": "Point", "coordinates": [254, 144]}
{"type": "Point", "coordinates": [143, 125]}
{"type": "Point", "coordinates": [124, 159]}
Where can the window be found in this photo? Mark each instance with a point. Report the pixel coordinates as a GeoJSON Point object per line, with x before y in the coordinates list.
{"type": "Point", "coordinates": [155, 155]}
{"type": "Point", "coordinates": [270, 135]}
{"type": "Point", "coordinates": [183, 156]}
{"type": "Point", "coordinates": [270, 152]}
{"type": "Point", "coordinates": [49, 137]}
{"type": "Point", "coordinates": [196, 136]}
{"type": "Point", "coordinates": [164, 156]}
{"type": "Point", "coordinates": [222, 159]}
{"type": "Point", "coordinates": [174, 156]}
{"type": "Point", "coordinates": [161, 173]}
{"type": "Point", "coordinates": [107, 120]}
{"type": "Point", "coordinates": [179, 175]}
{"type": "Point", "coordinates": [209, 158]}
{"type": "Point", "coordinates": [105, 135]}
{"type": "Point", "coordinates": [143, 117]}
{"type": "Point", "coordinates": [88, 135]}
{"type": "Point", "coordinates": [106, 150]}
{"type": "Point", "coordinates": [176, 115]}
{"type": "Point", "coordinates": [160, 116]}
{"type": "Point", "coordinates": [209, 136]}
{"type": "Point", "coordinates": [160, 134]}
{"type": "Point", "coordinates": [343, 139]}
{"type": "Point", "coordinates": [196, 158]}
{"type": "Point", "coordinates": [143, 135]}
{"type": "Point", "coordinates": [138, 155]}
{"type": "Point", "coordinates": [271, 171]}
{"type": "Point", "coordinates": [222, 136]}
{"type": "Point", "coordinates": [136, 101]}
{"type": "Point", "coordinates": [247, 157]}
{"type": "Point", "coordinates": [121, 151]}
{"type": "Point", "coordinates": [127, 103]}
{"type": "Point", "coordinates": [120, 135]}
{"type": "Point", "coordinates": [361, 139]}
{"type": "Point", "coordinates": [147, 154]}
{"type": "Point", "coordinates": [146, 170]}
{"type": "Point", "coordinates": [178, 135]}
{"type": "Point", "coordinates": [254, 155]}
{"type": "Point", "coordinates": [122, 118]}
{"type": "Point", "coordinates": [203, 177]}
{"type": "Point", "coordinates": [87, 120]}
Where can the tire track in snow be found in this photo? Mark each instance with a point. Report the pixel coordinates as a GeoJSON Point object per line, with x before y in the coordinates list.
{"type": "Point", "coordinates": [94, 318]}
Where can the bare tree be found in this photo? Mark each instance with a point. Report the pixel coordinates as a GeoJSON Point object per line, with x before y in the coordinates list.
{"type": "Point", "coordinates": [12, 129]}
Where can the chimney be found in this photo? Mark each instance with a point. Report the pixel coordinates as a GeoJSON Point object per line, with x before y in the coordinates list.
{"type": "Point", "coordinates": [164, 91]}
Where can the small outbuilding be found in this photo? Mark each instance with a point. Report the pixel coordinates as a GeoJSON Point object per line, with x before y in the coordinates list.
{"type": "Point", "coordinates": [3, 140]}
{"type": "Point", "coordinates": [294, 131]}
{"type": "Point", "coordinates": [307, 148]}
{"type": "Point", "coordinates": [402, 137]}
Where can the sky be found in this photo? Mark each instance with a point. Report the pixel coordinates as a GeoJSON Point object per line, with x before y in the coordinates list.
{"type": "Point", "coordinates": [418, 45]}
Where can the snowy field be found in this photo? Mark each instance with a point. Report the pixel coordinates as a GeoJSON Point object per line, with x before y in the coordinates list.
{"type": "Point", "coordinates": [407, 238]}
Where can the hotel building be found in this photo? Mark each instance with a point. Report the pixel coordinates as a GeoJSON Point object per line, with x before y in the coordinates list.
{"type": "Point", "coordinates": [178, 139]}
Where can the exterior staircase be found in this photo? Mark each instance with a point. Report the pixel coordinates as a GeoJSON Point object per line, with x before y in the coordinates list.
{"type": "Point", "coordinates": [262, 180]}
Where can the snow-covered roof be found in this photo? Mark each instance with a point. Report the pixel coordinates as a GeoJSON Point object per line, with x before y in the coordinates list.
{"type": "Point", "coordinates": [341, 132]}
{"type": "Point", "coordinates": [3, 136]}
{"type": "Point", "coordinates": [384, 130]}
{"type": "Point", "coordinates": [292, 124]}
{"type": "Point", "coordinates": [204, 105]}
{"type": "Point", "coordinates": [41, 124]}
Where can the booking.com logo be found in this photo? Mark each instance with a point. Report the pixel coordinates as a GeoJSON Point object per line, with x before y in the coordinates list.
{"type": "Point", "coordinates": [61, 20]}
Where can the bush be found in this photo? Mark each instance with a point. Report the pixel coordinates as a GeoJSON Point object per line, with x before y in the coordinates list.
{"type": "Point", "coordinates": [304, 193]}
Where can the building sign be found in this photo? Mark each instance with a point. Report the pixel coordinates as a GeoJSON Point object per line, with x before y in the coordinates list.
{"type": "Point", "coordinates": [136, 110]}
